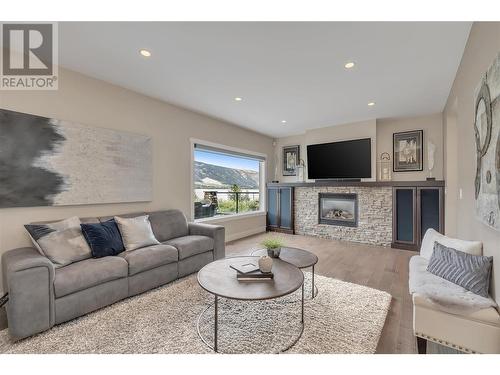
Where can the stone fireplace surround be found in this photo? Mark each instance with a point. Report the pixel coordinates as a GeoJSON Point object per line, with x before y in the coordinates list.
{"type": "Point", "coordinates": [374, 214]}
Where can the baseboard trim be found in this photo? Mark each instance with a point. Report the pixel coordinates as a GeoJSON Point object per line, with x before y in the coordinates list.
{"type": "Point", "coordinates": [246, 233]}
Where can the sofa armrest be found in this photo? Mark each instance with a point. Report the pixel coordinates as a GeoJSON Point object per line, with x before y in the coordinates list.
{"type": "Point", "coordinates": [217, 232]}
{"type": "Point", "coordinates": [28, 277]}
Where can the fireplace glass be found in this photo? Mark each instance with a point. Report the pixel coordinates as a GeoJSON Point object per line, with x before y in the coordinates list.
{"type": "Point", "coordinates": [338, 209]}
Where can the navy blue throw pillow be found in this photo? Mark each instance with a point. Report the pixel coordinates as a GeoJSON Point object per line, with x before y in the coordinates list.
{"type": "Point", "coordinates": [104, 238]}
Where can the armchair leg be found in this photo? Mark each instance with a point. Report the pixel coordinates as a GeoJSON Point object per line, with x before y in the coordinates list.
{"type": "Point", "coordinates": [421, 345]}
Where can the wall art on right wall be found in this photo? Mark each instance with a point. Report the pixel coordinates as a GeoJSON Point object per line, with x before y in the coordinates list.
{"type": "Point", "coordinates": [487, 137]}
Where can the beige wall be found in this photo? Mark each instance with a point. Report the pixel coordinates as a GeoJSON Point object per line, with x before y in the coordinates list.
{"type": "Point", "coordinates": [450, 168]}
{"type": "Point", "coordinates": [364, 129]}
{"type": "Point", "coordinates": [96, 103]}
{"type": "Point", "coordinates": [481, 49]}
{"type": "Point", "coordinates": [433, 131]}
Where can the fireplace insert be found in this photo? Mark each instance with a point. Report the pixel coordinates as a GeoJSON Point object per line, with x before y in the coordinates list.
{"type": "Point", "coordinates": [338, 209]}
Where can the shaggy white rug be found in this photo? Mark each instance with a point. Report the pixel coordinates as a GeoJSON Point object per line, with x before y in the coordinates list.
{"type": "Point", "coordinates": [343, 318]}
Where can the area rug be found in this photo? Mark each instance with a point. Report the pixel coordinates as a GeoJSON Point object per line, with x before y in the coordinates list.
{"type": "Point", "coordinates": [342, 318]}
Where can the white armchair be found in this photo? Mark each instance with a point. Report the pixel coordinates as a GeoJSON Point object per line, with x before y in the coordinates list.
{"type": "Point", "coordinates": [473, 327]}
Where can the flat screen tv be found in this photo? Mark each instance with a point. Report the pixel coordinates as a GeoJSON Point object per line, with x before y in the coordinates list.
{"type": "Point", "coordinates": [340, 160]}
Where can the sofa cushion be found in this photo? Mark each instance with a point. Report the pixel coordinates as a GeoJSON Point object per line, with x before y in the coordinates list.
{"type": "Point", "coordinates": [471, 272]}
{"type": "Point", "coordinates": [191, 245]}
{"type": "Point", "coordinates": [150, 257]}
{"type": "Point", "coordinates": [168, 224]}
{"type": "Point", "coordinates": [88, 273]}
{"type": "Point", "coordinates": [444, 294]}
{"type": "Point", "coordinates": [136, 232]}
{"type": "Point", "coordinates": [129, 215]}
{"type": "Point", "coordinates": [431, 236]}
{"type": "Point", "coordinates": [104, 238]}
{"type": "Point", "coordinates": [488, 315]}
{"type": "Point", "coordinates": [62, 242]}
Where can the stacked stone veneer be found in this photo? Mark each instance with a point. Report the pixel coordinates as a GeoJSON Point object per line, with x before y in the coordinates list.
{"type": "Point", "coordinates": [374, 215]}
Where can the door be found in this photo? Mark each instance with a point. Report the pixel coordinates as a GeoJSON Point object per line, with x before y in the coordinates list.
{"type": "Point", "coordinates": [431, 206]}
{"type": "Point", "coordinates": [273, 207]}
{"type": "Point", "coordinates": [286, 207]}
{"type": "Point", "coordinates": [404, 221]}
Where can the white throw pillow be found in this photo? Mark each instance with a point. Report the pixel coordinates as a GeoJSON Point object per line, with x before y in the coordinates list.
{"type": "Point", "coordinates": [431, 236]}
{"type": "Point", "coordinates": [62, 241]}
{"type": "Point", "coordinates": [136, 232]}
{"type": "Point", "coordinates": [72, 222]}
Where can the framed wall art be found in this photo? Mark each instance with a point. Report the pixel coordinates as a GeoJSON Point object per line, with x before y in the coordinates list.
{"type": "Point", "coordinates": [291, 158]}
{"type": "Point", "coordinates": [408, 151]}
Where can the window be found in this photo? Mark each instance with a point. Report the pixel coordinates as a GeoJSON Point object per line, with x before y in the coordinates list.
{"type": "Point", "coordinates": [226, 182]}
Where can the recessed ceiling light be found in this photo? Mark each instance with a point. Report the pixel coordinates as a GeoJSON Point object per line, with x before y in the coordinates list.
{"type": "Point", "coordinates": [145, 53]}
{"type": "Point", "coordinates": [238, 99]}
{"type": "Point", "coordinates": [349, 65]}
{"type": "Point", "coordinates": [283, 121]}
{"type": "Point", "coordinates": [371, 104]}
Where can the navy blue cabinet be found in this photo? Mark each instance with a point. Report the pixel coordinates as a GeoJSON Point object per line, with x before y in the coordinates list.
{"type": "Point", "coordinates": [280, 209]}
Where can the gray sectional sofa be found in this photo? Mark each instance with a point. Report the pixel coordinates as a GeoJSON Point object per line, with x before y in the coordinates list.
{"type": "Point", "coordinates": [41, 295]}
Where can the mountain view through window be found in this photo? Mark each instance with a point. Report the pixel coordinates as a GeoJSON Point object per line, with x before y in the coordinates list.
{"type": "Point", "coordinates": [225, 184]}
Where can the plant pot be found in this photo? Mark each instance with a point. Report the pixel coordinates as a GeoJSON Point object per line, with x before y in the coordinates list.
{"type": "Point", "coordinates": [274, 253]}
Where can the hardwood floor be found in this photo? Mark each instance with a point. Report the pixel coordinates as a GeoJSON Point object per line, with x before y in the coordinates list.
{"type": "Point", "coordinates": [374, 266]}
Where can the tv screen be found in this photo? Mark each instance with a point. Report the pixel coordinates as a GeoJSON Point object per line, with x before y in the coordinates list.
{"type": "Point", "coordinates": [347, 160]}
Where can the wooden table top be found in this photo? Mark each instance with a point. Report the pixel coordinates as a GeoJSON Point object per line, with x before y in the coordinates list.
{"type": "Point", "coordinates": [298, 257]}
{"type": "Point", "coordinates": [219, 278]}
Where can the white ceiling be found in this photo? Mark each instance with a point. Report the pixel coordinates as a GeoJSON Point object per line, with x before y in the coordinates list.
{"type": "Point", "coordinates": [291, 71]}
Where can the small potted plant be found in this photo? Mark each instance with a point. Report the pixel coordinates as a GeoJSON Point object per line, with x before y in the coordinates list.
{"type": "Point", "coordinates": [273, 246]}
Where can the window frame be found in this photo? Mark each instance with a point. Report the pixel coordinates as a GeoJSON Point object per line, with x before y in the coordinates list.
{"type": "Point", "coordinates": [262, 183]}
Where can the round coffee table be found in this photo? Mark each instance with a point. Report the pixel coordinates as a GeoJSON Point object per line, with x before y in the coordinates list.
{"type": "Point", "coordinates": [298, 257]}
{"type": "Point", "coordinates": [219, 279]}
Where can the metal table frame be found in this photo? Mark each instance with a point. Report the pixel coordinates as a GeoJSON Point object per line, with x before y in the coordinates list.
{"type": "Point", "coordinates": [215, 346]}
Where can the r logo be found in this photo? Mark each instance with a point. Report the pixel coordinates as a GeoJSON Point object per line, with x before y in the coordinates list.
{"type": "Point", "coordinates": [28, 49]}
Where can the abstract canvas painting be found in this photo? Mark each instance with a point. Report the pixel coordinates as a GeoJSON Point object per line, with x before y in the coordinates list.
{"type": "Point", "coordinates": [487, 137]}
{"type": "Point", "coordinates": [50, 162]}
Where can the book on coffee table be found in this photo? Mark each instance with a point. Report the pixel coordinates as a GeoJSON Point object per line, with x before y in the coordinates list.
{"type": "Point", "coordinates": [244, 267]}
{"type": "Point", "coordinates": [255, 276]}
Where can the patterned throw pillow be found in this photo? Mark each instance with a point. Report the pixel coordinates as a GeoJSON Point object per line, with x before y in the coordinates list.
{"type": "Point", "coordinates": [471, 272]}
{"type": "Point", "coordinates": [104, 238]}
{"type": "Point", "coordinates": [62, 242]}
{"type": "Point", "coordinates": [136, 232]}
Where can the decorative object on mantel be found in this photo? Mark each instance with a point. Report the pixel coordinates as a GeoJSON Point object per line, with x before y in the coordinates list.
{"type": "Point", "coordinates": [273, 246]}
{"type": "Point", "coordinates": [291, 157]}
{"type": "Point", "coordinates": [301, 171]}
{"type": "Point", "coordinates": [408, 151]}
{"type": "Point", "coordinates": [50, 162]}
{"type": "Point", "coordinates": [265, 264]}
{"type": "Point", "coordinates": [487, 135]}
{"type": "Point", "coordinates": [431, 150]}
{"type": "Point", "coordinates": [384, 167]}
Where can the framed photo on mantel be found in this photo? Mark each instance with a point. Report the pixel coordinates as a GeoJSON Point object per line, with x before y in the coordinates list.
{"type": "Point", "coordinates": [291, 157]}
{"type": "Point", "coordinates": [408, 151]}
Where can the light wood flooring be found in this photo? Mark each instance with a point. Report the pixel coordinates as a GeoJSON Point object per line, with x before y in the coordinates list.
{"type": "Point", "coordinates": [374, 266]}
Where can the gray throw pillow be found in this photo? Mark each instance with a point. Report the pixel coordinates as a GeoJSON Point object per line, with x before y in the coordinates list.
{"type": "Point", "coordinates": [471, 272]}
{"type": "Point", "coordinates": [62, 242]}
{"type": "Point", "coordinates": [136, 232]}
